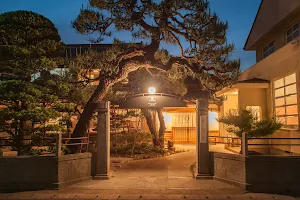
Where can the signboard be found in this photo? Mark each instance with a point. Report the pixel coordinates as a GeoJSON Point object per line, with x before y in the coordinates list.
{"type": "Point", "coordinates": [203, 129]}
{"type": "Point", "coordinates": [158, 100]}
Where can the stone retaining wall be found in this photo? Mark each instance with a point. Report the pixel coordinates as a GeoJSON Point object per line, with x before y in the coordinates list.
{"type": "Point", "coordinates": [230, 168]}
{"type": "Point", "coordinates": [273, 173]}
{"type": "Point", "coordinates": [258, 173]}
{"type": "Point", "coordinates": [74, 168]}
{"type": "Point", "coordinates": [43, 172]}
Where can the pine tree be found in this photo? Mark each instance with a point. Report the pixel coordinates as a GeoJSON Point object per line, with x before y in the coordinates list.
{"type": "Point", "coordinates": [199, 35]}
{"type": "Point", "coordinates": [245, 121]}
{"type": "Point", "coordinates": [30, 48]}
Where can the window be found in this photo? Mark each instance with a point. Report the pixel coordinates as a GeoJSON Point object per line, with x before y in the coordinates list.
{"type": "Point", "coordinates": [269, 49]}
{"type": "Point", "coordinates": [292, 33]}
{"type": "Point", "coordinates": [286, 104]}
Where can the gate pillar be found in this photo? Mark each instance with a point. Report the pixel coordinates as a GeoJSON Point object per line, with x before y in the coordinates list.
{"type": "Point", "coordinates": [203, 165]}
{"type": "Point", "coordinates": [103, 141]}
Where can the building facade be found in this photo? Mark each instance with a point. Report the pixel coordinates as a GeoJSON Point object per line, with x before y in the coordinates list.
{"type": "Point", "coordinates": [271, 87]}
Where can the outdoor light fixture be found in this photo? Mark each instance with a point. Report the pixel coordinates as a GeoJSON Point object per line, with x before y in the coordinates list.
{"type": "Point", "coordinates": [151, 90]}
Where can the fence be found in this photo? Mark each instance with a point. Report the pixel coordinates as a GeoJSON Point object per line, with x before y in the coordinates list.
{"type": "Point", "coordinates": [58, 142]}
{"type": "Point", "coordinates": [234, 141]}
{"type": "Point", "coordinates": [244, 144]}
{"type": "Point", "coordinates": [186, 135]}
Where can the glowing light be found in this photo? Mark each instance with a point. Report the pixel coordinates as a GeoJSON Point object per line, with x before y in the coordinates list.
{"type": "Point", "coordinates": [151, 90]}
{"type": "Point", "coordinates": [213, 123]}
{"type": "Point", "coordinates": [168, 121]}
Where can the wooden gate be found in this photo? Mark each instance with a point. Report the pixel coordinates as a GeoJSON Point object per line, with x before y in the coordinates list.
{"type": "Point", "coordinates": [184, 135]}
{"type": "Point", "coordinates": [187, 135]}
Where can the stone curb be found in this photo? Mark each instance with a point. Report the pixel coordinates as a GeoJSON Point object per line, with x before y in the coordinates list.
{"type": "Point", "coordinates": [142, 196]}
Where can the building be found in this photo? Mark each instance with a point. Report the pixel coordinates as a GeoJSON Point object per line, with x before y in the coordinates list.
{"type": "Point", "coordinates": [271, 86]}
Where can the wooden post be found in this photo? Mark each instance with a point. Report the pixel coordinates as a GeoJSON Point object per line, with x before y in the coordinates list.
{"type": "Point", "coordinates": [103, 141]}
{"type": "Point", "coordinates": [203, 165]}
{"type": "Point", "coordinates": [244, 144]}
{"type": "Point", "coordinates": [58, 144]}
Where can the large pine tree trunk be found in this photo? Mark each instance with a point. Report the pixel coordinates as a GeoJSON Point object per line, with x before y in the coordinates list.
{"type": "Point", "coordinates": [162, 127]}
{"type": "Point", "coordinates": [88, 111]}
{"type": "Point", "coordinates": [147, 114]}
{"type": "Point", "coordinates": [20, 143]}
{"type": "Point", "coordinates": [20, 137]}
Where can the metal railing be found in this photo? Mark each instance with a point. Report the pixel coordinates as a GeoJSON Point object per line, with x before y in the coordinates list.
{"type": "Point", "coordinates": [244, 141]}
{"type": "Point", "coordinates": [220, 140]}
{"type": "Point", "coordinates": [287, 144]}
{"type": "Point", "coordinates": [58, 142]}
{"type": "Point", "coordinates": [214, 140]}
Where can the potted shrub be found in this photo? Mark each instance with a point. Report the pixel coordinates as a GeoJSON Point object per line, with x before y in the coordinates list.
{"type": "Point", "coordinates": [245, 120]}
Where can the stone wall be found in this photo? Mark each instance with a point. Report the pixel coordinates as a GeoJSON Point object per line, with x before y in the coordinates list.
{"type": "Point", "coordinates": [43, 172]}
{"type": "Point", "coordinates": [74, 168]}
{"type": "Point", "coordinates": [273, 173]}
{"type": "Point", "coordinates": [230, 168]}
{"type": "Point", "coordinates": [258, 173]}
{"type": "Point", "coordinates": [28, 172]}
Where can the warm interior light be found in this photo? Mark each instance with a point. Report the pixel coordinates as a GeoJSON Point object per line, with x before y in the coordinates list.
{"type": "Point", "coordinates": [168, 121]}
{"type": "Point", "coordinates": [151, 90]}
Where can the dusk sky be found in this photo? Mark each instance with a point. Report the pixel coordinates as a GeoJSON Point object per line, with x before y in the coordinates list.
{"type": "Point", "coordinates": [240, 15]}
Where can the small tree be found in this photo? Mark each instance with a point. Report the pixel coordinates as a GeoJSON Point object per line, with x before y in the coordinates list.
{"type": "Point", "coordinates": [245, 121]}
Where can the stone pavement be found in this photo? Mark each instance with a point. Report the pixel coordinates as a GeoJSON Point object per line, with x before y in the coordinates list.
{"type": "Point", "coordinates": [159, 178]}
{"type": "Point", "coordinates": [139, 194]}
{"type": "Point", "coordinates": [170, 172]}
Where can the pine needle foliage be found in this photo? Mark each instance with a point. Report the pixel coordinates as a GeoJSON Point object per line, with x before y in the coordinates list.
{"type": "Point", "coordinates": [198, 34]}
{"type": "Point", "coordinates": [244, 120]}
{"type": "Point", "coordinates": [30, 45]}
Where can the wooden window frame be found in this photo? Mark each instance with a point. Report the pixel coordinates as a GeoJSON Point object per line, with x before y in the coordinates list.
{"type": "Point", "coordinates": [285, 126]}
{"type": "Point", "coordinates": [268, 48]}
{"type": "Point", "coordinates": [293, 31]}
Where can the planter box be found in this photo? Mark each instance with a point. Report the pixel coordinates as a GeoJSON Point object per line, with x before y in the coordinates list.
{"type": "Point", "coordinates": [43, 172]}
{"type": "Point", "coordinates": [258, 173]}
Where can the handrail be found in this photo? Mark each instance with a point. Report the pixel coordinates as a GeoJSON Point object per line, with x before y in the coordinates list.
{"type": "Point", "coordinates": [78, 138]}
{"type": "Point", "coordinates": [224, 137]}
{"type": "Point", "coordinates": [7, 139]}
{"type": "Point", "coordinates": [44, 139]}
{"type": "Point", "coordinates": [76, 143]}
{"type": "Point", "coordinates": [274, 144]}
{"type": "Point", "coordinates": [58, 142]}
{"type": "Point", "coordinates": [262, 138]}
{"type": "Point", "coordinates": [249, 144]}
{"type": "Point", "coordinates": [273, 138]}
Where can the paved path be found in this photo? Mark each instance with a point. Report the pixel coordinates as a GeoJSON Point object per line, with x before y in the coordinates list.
{"type": "Point", "coordinates": [159, 178]}
{"type": "Point", "coordinates": [163, 173]}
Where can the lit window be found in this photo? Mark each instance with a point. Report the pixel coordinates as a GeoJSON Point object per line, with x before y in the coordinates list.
{"type": "Point", "coordinates": [168, 121]}
{"type": "Point", "coordinates": [292, 33]}
{"type": "Point", "coordinates": [286, 104]}
{"type": "Point", "coordinates": [269, 49]}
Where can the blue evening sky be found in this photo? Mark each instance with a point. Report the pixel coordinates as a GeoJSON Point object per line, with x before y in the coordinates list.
{"type": "Point", "coordinates": [240, 15]}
